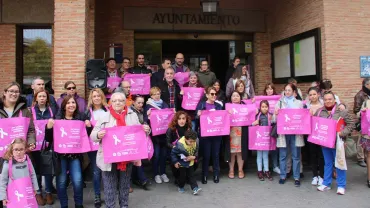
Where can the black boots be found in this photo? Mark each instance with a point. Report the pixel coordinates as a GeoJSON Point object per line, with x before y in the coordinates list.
{"type": "Point", "coordinates": [204, 180]}
{"type": "Point", "coordinates": [216, 179]}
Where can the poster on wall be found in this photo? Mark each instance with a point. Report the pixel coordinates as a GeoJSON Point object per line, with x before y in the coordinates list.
{"type": "Point", "coordinates": [365, 66]}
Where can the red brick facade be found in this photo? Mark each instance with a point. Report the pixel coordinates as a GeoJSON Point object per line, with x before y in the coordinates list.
{"type": "Point", "coordinates": [7, 54]}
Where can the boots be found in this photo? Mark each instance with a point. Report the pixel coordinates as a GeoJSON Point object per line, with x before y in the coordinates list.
{"type": "Point", "coordinates": [49, 199]}
{"type": "Point", "coordinates": [97, 201]}
{"type": "Point", "coordinates": [40, 200]}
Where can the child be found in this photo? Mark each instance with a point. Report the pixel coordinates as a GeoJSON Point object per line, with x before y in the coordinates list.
{"type": "Point", "coordinates": [263, 119]}
{"type": "Point", "coordinates": [17, 153]}
{"type": "Point", "coordinates": [183, 156]}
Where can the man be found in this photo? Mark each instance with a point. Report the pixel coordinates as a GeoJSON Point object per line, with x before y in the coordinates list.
{"type": "Point", "coordinates": [158, 77]}
{"type": "Point", "coordinates": [231, 69]}
{"type": "Point", "coordinates": [360, 98]}
{"type": "Point", "coordinates": [39, 84]}
{"type": "Point", "coordinates": [170, 89]}
{"type": "Point", "coordinates": [112, 72]}
{"type": "Point", "coordinates": [206, 77]}
{"type": "Point", "coordinates": [140, 68]}
{"type": "Point", "coordinates": [125, 88]}
{"type": "Point", "coordinates": [179, 64]}
{"type": "Point", "coordinates": [125, 66]}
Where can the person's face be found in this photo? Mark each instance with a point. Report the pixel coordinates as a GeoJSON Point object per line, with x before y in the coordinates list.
{"type": "Point", "coordinates": [181, 121]}
{"type": "Point", "coordinates": [288, 91]}
{"type": "Point", "coordinates": [169, 74]}
{"type": "Point", "coordinates": [269, 91]}
{"type": "Point", "coordinates": [71, 89]}
{"type": "Point", "coordinates": [240, 88]}
{"type": "Point", "coordinates": [244, 70]}
{"type": "Point", "coordinates": [235, 98]}
{"type": "Point", "coordinates": [204, 66]}
{"type": "Point", "coordinates": [126, 86]}
{"type": "Point", "coordinates": [139, 103]}
{"type": "Point", "coordinates": [264, 108]}
{"type": "Point", "coordinates": [329, 100]}
{"type": "Point", "coordinates": [41, 98]}
{"type": "Point", "coordinates": [96, 98]}
{"type": "Point", "coordinates": [236, 62]}
{"type": "Point", "coordinates": [38, 85]}
{"type": "Point", "coordinates": [193, 79]}
{"type": "Point", "coordinates": [140, 59]}
{"type": "Point", "coordinates": [313, 95]}
{"type": "Point", "coordinates": [156, 96]}
{"type": "Point", "coordinates": [111, 64]}
{"type": "Point", "coordinates": [126, 64]}
{"type": "Point", "coordinates": [190, 142]}
{"type": "Point", "coordinates": [179, 59]}
{"type": "Point", "coordinates": [71, 106]}
{"type": "Point", "coordinates": [367, 85]}
{"type": "Point", "coordinates": [166, 64]}
{"type": "Point", "coordinates": [118, 103]}
{"type": "Point", "coordinates": [217, 86]}
{"type": "Point", "coordinates": [12, 94]}
{"type": "Point", "coordinates": [19, 150]}
{"type": "Point", "coordinates": [212, 96]}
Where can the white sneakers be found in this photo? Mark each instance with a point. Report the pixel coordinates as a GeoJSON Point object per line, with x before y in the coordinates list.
{"type": "Point", "coordinates": [340, 190]}
{"type": "Point", "coordinates": [165, 178]}
{"type": "Point", "coordinates": [158, 179]}
{"type": "Point", "coordinates": [276, 170]}
{"type": "Point", "coordinates": [317, 181]}
{"type": "Point", "coordinates": [161, 178]}
{"type": "Point", "coordinates": [321, 180]}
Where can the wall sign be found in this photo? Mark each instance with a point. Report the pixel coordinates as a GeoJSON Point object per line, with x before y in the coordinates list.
{"type": "Point", "coordinates": [365, 66]}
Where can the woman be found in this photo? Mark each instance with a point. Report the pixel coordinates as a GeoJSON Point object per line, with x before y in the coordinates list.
{"type": "Point", "coordinates": [70, 88]}
{"type": "Point", "coordinates": [237, 146]}
{"type": "Point", "coordinates": [96, 109]}
{"type": "Point", "coordinates": [240, 88]}
{"type": "Point", "coordinates": [220, 94]}
{"type": "Point", "coordinates": [116, 176]}
{"type": "Point", "coordinates": [68, 162]}
{"type": "Point", "coordinates": [240, 73]}
{"type": "Point", "coordinates": [159, 141]}
{"type": "Point", "coordinates": [13, 105]}
{"type": "Point", "coordinates": [210, 145]}
{"type": "Point", "coordinates": [295, 142]}
{"type": "Point", "coordinates": [269, 90]}
{"type": "Point", "coordinates": [331, 110]}
{"type": "Point", "coordinates": [42, 110]}
{"type": "Point", "coordinates": [138, 175]}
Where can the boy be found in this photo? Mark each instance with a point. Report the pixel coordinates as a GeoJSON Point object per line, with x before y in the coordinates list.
{"type": "Point", "coordinates": [183, 156]}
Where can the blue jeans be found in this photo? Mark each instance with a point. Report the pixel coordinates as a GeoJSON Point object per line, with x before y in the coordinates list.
{"type": "Point", "coordinates": [96, 172]}
{"type": "Point", "coordinates": [274, 157]}
{"type": "Point", "coordinates": [329, 157]}
{"type": "Point", "coordinates": [263, 157]}
{"type": "Point", "coordinates": [211, 146]}
{"type": "Point", "coordinates": [74, 167]}
{"type": "Point", "coordinates": [48, 183]}
{"type": "Point", "coordinates": [159, 160]}
{"type": "Point", "coordinates": [296, 157]}
{"type": "Point", "coordinates": [138, 174]}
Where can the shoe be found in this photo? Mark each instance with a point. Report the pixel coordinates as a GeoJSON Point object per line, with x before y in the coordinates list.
{"type": "Point", "coordinates": [40, 200]}
{"type": "Point", "coordinates": [196, 190]}
{"type": "Point", "coordinates": [131, 190]}
{"type": "Point", "coordinates": [216, 179]}
{"type": "Point", "coordinates": [54, 191]}
{"type": "Point", "coordinates": [97, 201]}
{"type": "Point", "coordinates": [276, 170]}
{"type": "Point", "coordinates": [241, 174]}
{"type": "Point", "coordinates": [315, 181]}
{"type": "Point", "coordinates": [340, 191]}
{"type": "Point", "coordinates": [165, 178]}
{"type": "Point", "coordinates": [321, 180]}
{"type": "Point", "coordinates": [323, 188]}
{"type": "Point", "coordinates": [282, 181]}
{"type": "Point", "coordinates": [204, 180]}
{"type": "Point", "coordinates": [181, 190]}
{"type": "Point", "coordinates": [79, 206]}
{"type": "Point", "coordinates": [268, 175]}
{"type": "Point", "coordinates": [84, 184]}
{"type": "Point", "coordinates": [231, 175]}
{"type": "Point", "coordinates": [368, 183]}
{"type": "Point", "coordinates": [297, 183]}
{"type": "Point", "coordinates": [158, 179]}
{"type": "Point", "coordinates": [145, 185]}
{"type": "Point", "coordinates": [49, 199]}
{"type": "Point", "coordinates": [301, 175]}
{"type": "Point", "coordinates": [260, 176]}
{"type": "Point", "coordinates": [361, 163]}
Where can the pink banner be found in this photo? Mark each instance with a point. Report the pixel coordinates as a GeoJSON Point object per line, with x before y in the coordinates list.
{"type": "Point", "coordinates": [182, 77]}
{"type": "Point", "coordinates": [294, 121]}
{"type": "Point", "coordinates": [323, 132]}
{"type": "Point", "coordinates": [191, 97]}
{"type": "Point", "coordinates": [94, 145]}
{"type": "Point", "coordinates": [150, 148]}
{"type": "Point", "coordinates": [259, 138]}
{"type": "Point", "coordinates": [40, 132]}
{"type": "Point", "coordinates": [125, 143]}
{"type": "Point", "coordinates": [12, 128]}
{"type": "Point", "coordinates": [113, 83]}
{"type": "Point", "coordinates": [365, 122]}
{"type": "Point", "coordinates": [273, 99]}
{"type": "Point", "coordinates": [214, 123]}
{"type": "Point", "coordinates": [160, 119]}
{"type": "Point", "coordinates": [241, 115]}
{"type": "Point", "coordinates": [70, 136]}
{"type": "Point", "coordinates": [140, 83]}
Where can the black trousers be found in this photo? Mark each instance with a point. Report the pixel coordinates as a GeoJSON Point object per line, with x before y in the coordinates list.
{"type": "Point", "coordinates": [317, 160]}
{"type": "Point", "coordinates": [187, 174]}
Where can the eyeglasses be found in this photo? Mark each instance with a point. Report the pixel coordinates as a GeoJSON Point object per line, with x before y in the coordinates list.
{"type": "Point", "coordinates": [16, 92]}
{"type": "Point", "coordinates": [18, 150]}
{"type": "Point", "coordinates": [118, 101]}
{"type": "Point", "coordinates": [126, 62]}
{"type": "Point", "coordinates": [71, 88]}
{"type": "Point", "coordinates": [212, 94]}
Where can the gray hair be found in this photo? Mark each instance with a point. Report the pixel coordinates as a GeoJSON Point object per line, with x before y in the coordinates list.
{"type": "Point", "coordinates": [36, 78]}
{"type": "Point", "coordinates": [366, 81]}
{"type": "Point", "coordinates": [192, 73]}
{"type": "Point", "coordinates": [122, 95]}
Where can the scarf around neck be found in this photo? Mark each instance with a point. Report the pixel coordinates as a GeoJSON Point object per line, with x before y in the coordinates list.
{"type": "Point", "coordinates": [120, 119]}
{"type": "Point", "coordinates": [367, 91]}
{"type": "Point", "coordinates": [20, 160]}
{"type": "Point", "coordinates": [157, 104]}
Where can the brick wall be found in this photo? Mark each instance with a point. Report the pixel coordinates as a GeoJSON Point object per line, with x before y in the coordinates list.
{"type": "Point", "coordinates": [7, 54]}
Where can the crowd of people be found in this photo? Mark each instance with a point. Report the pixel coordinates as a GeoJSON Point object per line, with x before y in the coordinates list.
{"type": "Point", "coordinates": [182, 145]}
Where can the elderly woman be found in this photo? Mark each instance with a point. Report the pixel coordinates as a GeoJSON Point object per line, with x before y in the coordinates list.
{"type": "Point", "coordinates": [115, 175]}
{"type": "Point", "coordinates": [331, 110]}
{"type": "Point", "coordinates": [71, 89]}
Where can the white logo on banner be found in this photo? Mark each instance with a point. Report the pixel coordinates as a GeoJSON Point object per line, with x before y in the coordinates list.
{"type": "Point", "coordinates": [189, 96]}
{"type": "Point", "coordinates": [63, 132]}
{"type": "Point", "coordinates": [235, 111]}
{"type": "Point", "coordinates": [316, 126]}
{"type": "Point", "coordinates": [116, 140]}
{"type": "Point", "coordinates": [286, 118]}
{"type": "Point", "coordinates": [3, 133]}
{"type": "Point", "coordinates": [132, 81]}
{"type": "Point", "coordinates": [258, 134]}
{"type": "Point", "coordinates": [38, 131]}
{"type": "Point", "coordinates": [209, 120]}
{"type": "Point", "coordinates": [19, 196]}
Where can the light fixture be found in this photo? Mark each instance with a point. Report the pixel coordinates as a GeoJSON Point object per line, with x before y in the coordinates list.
{"type": "Point", "coordinates": [209, 6]}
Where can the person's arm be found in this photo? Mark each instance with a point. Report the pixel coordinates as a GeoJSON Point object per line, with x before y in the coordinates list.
{"type": "Point", "coordinates": [350, 124]}
{"type": "Point", "coordinates": [229, 88]}
{"type": "Point", "coordinates": [251, 90]}
{"type": "Point", "coordinates": [174, 158]}
{"type": "Point", "coordinates": [357, 103]}
{"type": "Point", "coordinates": [34, 178]}
{"type": "Point", "coordinates": [169, 139]}
{"type": "Point", "coordinates": [4, 181]}
{"type": "Point", "coordinates": [31, 137]}
{"type": "Point", "coordinates": [95, 131]}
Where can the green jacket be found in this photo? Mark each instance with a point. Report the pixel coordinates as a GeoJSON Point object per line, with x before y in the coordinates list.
{"type": "Point", "coordinates": [206, 78]}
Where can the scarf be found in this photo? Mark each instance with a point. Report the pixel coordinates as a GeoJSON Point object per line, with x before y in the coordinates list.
{"type": "Point", "coordinates": [157, 104]}
{"type": "Point", "coordinates": [120, 119]}
{"type": "Point", "coordinates": [181, 130]}
{"type": "Point", "coordinates": [20, 160]}
{"type": "Point", "coordinates": [329, 108]}
{"type": "Point", "coordinates": [367, 91]}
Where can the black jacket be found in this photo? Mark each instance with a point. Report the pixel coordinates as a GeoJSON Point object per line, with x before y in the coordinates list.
{"type": "Point", "coordinates": [165, 94]}
{"type": "Point", "coordinates": [140, 70]}
{"type": "Point", "coordinates": [157, 78]}
{"type": "Point", "coordinates": [229, 73]}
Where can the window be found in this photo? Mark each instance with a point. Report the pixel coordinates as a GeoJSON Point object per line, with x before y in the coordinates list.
{"type": "Point", "coordinates": [152, 50]}
{"type": "Point", "coordinates": [298, 57]}
{"type": "Point", "coordinates": [34, 49]}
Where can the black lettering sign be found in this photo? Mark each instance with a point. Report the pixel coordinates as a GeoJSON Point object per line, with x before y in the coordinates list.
{"type": "Point", "coordinates": [201, 19]}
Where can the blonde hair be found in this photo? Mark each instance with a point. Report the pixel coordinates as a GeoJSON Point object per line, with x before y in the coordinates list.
{"type": "Point", "coordinates": [9, 152]}
{"type": "Point", "coordinates": [154, 90]}
{"type": "Point", "coordinates": [101, 93]}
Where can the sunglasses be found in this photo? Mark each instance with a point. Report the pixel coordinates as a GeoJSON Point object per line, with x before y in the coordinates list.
{"type": "Point", "coordinates": [212, 94]}
{"type": "Point", "coordinates": [71, 88]}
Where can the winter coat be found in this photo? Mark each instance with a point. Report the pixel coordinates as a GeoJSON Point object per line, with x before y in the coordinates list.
{"type": "Point", "coordinates": [206, 78]}
{"type": "Point", "coordinates": [140, 70]}
{"type": "Point", "coordinates": [53, 103]}
{"type": "Point", "coordinates": [157, 78]}
{"type": "Point", "coordinates": [46, 114]}
{"type": "Point", "coordinates": [80, 101]}
{"type": "Point", "coordinates": [165, 93]}
{"type": "Point", "coordinates": [181, 150]}
{"type": "Point", "coordinates": [184, 67]}
{"type": "Point", "coordinates": [360, 97]}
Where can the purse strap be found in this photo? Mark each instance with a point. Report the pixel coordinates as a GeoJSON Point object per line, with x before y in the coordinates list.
{"type": "Point", "coordinates": [268, 120]}
{"type": "Point", "coordinates": [10, 167]}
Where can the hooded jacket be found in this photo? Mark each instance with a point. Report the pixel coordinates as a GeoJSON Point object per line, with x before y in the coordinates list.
{"type": "Point", "coordinates": [206, 78]}
{"type": "Point", "coordinates": [184, 67]}
{"type": "Point", "coordinates": [180, 149]}
{"type": "Point", "coordinates": [80, 101]}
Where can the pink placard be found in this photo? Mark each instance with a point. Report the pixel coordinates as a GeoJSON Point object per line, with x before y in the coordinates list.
{"type": "Point", "coordinates": [273, 99]}
{"type": "Point", "coordinates": [40, 132]}
{"type": "Point", "coordinates": [182, 78]}
{"type": "Point", "coordinates": [150, 148]}
{"type": "Point", "coordinates": [160, 119]}
{"type": "Point", "coordinates": [191, 97]}
{"type": "Point", "coordinates": [259, 138]}
{"type": "Point", "coordinates": [94, 145]}
{"type": "Point", "coordinates": [241, 115]}
{"type": "Point", "coordinates": [125, 143]}
{"type": "Point", "coordinates": [365, 124]}
{"type": "Point", "coordinates": [323, 132]}
{"type": "Point", "coordinates": [294, 121]}
{"type": "Point", "coordinates": [70, 136]}
{"type": "Point", "coordinates": [113, 83]}
{"type": "Point", "coordinates": [140, 83]}
{"type": "Point", "coordinates": [214, 123]}
{"type": "Point", "coordinates": [12, 128]}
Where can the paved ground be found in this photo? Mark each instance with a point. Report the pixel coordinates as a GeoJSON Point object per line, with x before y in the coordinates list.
{"type": "Point", "coordinates": [248, 192]}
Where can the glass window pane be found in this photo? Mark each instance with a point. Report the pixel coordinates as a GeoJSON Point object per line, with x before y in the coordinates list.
{"type": "Point", "coordinates": [152, 50]}
{"type": "Point", "coordinates": [282, 61]}
{"type": "Point", "coordinates": [304, 57]}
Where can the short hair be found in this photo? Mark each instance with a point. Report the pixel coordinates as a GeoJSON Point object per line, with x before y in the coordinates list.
{"type": "Point", "coordinates": [203, 61]}
{"type": "Point", "coordinates": [138, 54]}
{"type": "Point", "coordinates": [325, 84]}
{"type": "Point", "coordinates": [192, 73]}
{"type": "Point", "coordinates": [365, 81]}
{"type": "Point", "coordinates": [101, 93]}
{"type": "Point", "coordinates": [126, 58]}
{"type": "Point", "coordinates": [292, 80]}
{"type": "Point", "coordinates": [135, 97]}
{"type": "Point", "coordinates": [154, 90]}
{"type": "Point", "coordinates": [68, 83]}
{"type": "Point", "coordinates": [234, 59]}
{"type": "Point", "coordinates": [36, 78]}
{"type": "Point", "coordinates": [190, 134]}
{"type": "Point", "coordinates": [329, 93]}
{"type": "Point", "coordinates": [166, 59]}
{"type": "Point", "coordinates": [170, 67]}
{"type": "Point", "coordinates": [211, 88]}
{"type": "Point", "coordinates": [110, 59]}
{"type": "Point", "coordinates": [118, 94]}
{"type": "Point", "coordinates": [11, 84]}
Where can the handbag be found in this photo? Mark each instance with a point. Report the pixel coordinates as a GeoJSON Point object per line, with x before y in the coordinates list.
{"type": "Point", "coordinates": [50, 163]}
{"type": "Point", "coordinates": [274, 133]}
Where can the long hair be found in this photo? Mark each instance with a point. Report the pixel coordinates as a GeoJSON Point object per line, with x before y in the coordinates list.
{"type": "Point", "coordinates": [68, 83]}
{"type": "Point", "coordinates": [64, 104]}
{"type": "Point", "coordinates": [238, 83]}
{"type": "Point", "coordinates": [90, 99]}
{"type": "Point", "coordinates": [270, 85]}
{"type": "Point", "coordinates": [173, 122]}
{"type": "Point", "coordinates": [9, 152]}
{"type": "Point", "coordinates": [34, 101]}
{"type": "Point", "coordinates": [241, 96]}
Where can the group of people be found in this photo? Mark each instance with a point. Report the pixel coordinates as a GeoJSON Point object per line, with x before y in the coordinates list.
{"type": "Point", "coordinates": [182, 144]}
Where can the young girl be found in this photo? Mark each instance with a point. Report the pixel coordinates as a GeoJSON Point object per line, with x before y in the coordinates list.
{"type": "Point", "coordinates": [263, 119]}
{"type": "Point", "coordinates": [20, 167]}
